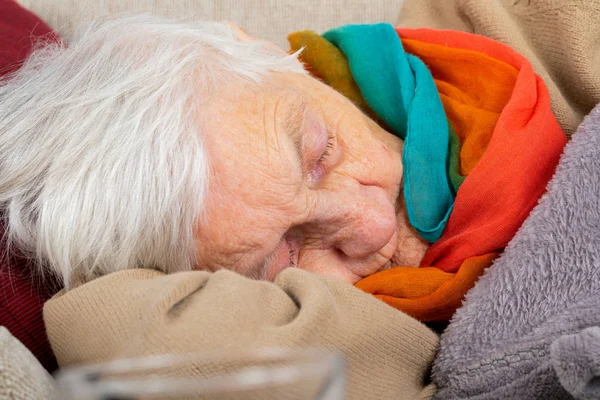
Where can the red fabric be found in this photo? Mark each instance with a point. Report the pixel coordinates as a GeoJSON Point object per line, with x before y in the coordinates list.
{"type": "Point", "coordinates": [512, 165]}
{"type": "Point", "coordinates": [22, 293]}
{"type": "Point", "coordinates": [501, 191]}
{"type": "Point", "coordinates": [22, 296]}
{"type": "Point", "coordinates": [19, 28]}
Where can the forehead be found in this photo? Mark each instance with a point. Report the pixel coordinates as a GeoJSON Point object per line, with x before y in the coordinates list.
{"type": "Point", "coordinates": [249, 140]}
{"type": "Point", "coordinates": [255, 178]}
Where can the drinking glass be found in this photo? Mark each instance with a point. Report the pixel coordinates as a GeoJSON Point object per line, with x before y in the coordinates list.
{"type": "Point", "coordinates": [266, 374]}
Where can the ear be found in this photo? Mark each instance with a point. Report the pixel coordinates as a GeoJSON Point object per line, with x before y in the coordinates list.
{"type": "Point", "coordinates": [242, 36]}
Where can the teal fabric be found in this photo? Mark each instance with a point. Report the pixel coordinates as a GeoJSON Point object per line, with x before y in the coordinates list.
{"type": "Point", "coordinates": [401, 91]}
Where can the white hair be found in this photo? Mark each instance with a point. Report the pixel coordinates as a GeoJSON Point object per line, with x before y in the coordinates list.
{"type": "Point", "coordinates": [102, 164]}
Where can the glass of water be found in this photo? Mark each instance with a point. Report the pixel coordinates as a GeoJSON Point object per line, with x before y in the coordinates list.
{"type": "Point", "coordinates": [266, 374]}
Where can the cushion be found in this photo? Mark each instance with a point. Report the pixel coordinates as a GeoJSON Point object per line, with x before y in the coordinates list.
{"type": "Point", "coordinates": [22, 291]}
{"type": "Point", "coordinates": [268, 19]}
{"type": "Point", "coordinates": [18, 30]}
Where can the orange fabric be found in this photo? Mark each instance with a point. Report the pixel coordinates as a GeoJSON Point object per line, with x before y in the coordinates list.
{"type": "Point", "coordinates": [428, 294]}
{"type": "Point", "coordinates": [473, 87]}
{"type": "Point", "coordinates": [514, 165]}
{"type": "Point", "coordinates": [512, 175]}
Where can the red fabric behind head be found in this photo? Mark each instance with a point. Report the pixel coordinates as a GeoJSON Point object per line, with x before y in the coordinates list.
{"type": "Point", "coordinates": [19, 29]}
{"type": "Point", "coordinates": [22, 293]}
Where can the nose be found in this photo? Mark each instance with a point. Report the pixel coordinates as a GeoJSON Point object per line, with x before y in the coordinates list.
{"type": "Point", "coordinates": [351, 233]}
{"type": "Point", "coordinates": [365, 222]}
{"type": "Point", "coordinates": [362, 210]}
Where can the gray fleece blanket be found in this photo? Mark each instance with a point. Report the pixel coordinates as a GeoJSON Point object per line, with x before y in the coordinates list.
{"type": "Point", "coordinates": [530, 328]}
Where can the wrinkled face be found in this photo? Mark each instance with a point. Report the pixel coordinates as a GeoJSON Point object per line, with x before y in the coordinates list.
{"type": "Point", "coordinates": [301, 178]}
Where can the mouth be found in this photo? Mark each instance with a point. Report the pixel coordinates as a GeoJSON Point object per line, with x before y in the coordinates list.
{"type": "Point", "coordinates": [389, 264]}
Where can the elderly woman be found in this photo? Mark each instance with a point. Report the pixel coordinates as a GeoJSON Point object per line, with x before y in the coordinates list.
{"type": "Point", "coordinates": [148, 152]}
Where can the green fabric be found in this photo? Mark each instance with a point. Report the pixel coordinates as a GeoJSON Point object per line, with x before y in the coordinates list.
{"type": "Point", "coordinates": [456, 179]}
{"type": "Point", "coordinates": [400, 90]}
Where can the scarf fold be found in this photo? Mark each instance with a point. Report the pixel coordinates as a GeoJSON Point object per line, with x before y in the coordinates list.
{"type": "Point", "coordinates": [502, 143]}
{"type": "Point", "coordinates": [519, 160]}
{"type": "Point", "coordinates": [474, 89]}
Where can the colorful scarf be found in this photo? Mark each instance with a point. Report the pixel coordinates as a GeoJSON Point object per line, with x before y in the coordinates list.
{"type": "Point", "coordinates": [500, 147]}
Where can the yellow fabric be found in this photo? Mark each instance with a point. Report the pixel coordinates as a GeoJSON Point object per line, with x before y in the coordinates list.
{"type": "Point", "coordinates": [326, 62]}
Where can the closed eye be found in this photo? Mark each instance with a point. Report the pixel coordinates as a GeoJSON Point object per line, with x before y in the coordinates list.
{"type": "Point", "coordinates": [328, 148]}
{"type": "Point", "coordinates": [319, 170]}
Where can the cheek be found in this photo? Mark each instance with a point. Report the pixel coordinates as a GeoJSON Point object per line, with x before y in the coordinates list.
{"type": "Point", "coordinates": [370, 163]}
{"type": "Point", "coordinates": [390, 141]}
{"type": "Point", "coordinates": [232, 227]}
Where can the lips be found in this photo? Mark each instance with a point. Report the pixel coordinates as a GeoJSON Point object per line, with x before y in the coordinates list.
{"type": "Point", "coordinates": [284, 256]}
{"type": "Point", "coordinates": [293, 250]}
{"type": "Point", "coordinates": [387, 265]}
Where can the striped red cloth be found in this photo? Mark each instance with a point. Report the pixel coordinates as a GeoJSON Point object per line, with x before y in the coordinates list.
{"type": "Point", "coordinates": [22, 296]}
{"type": "Point", "coordinates": [22, 291]}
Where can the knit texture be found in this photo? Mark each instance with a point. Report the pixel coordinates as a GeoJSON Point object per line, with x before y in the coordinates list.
{"type": "Point", "coordinates": [143, 312]}
{"type": "Point", "coordinates": [22, 377]}
{"type": "Point", "coordinates": [559, 37]}
{"type": "Point", "coordinates": [521, 332]}
{"type": "Point", "coordinates": [22, 296]}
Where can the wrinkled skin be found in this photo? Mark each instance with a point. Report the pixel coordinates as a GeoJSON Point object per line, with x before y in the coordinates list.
{"type": "Point", "coordinates": [335, 209]}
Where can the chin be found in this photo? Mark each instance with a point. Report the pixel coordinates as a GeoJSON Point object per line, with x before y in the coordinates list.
{"type": "Point", "coordinates": [410, 256]}
{"type": "Point", "coordinates": [411, 247]}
